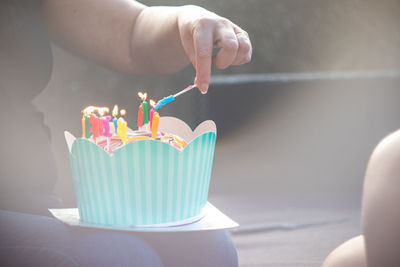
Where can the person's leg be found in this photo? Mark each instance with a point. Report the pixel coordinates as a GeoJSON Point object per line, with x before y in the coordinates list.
{"type": "Point", "coordinates": [380, 243]}
{"type": "Point", "coordinates": [31, 240]}
{"type": "Point", "coordinates": [201, 248]}
{"type": "Point", "coordinates": [97, 247]}
{"type": "Point", "coordinates": [381, 209]}
{"type": "Point", "coordinates": [351, 254]}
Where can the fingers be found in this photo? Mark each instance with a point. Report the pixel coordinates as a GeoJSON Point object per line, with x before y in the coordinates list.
{"type": "Point", "coordinates": [235, 46]}
{"type": "Point", "coordinates": [245, 49]}
{"type": "Point", "coordinates": [203, 45]}
{"type": "Point", "coordinates": [199, 36]}
{"type": "Point", "coordinates": [227, 41]}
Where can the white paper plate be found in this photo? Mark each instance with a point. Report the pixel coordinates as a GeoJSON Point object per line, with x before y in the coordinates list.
{"type": "Point", "coordinates": [210, 219]}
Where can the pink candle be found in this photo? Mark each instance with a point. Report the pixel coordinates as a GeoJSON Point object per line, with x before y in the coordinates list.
{"type": "Point", "coordinates": [140, 117]}
{"type": "Point", "coordinates": [106, 124]}
{"type": "Point", "coordinates": [107, 131]}
{"type": "Point", "coordinates": [152, 104]}
{"type": "Point", "coordinates": [101, 119]}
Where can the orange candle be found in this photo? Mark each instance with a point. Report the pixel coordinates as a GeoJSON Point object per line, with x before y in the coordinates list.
{"type": "Point", "coordinates": [154, 127]}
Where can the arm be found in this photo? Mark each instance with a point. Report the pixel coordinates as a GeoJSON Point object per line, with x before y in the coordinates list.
{"type": "Point", "coordinates": [132, 38]}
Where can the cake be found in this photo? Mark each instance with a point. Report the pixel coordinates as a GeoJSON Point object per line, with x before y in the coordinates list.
{"type": "Point", "coordinates": [156, 178]}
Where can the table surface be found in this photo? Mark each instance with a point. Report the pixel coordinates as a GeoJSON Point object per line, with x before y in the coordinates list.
{"type": "Point", "coordinates": [277, 232]}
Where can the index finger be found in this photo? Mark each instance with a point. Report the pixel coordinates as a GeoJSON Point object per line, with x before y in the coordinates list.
{"type": "Point", "coordinates": [203, 46]}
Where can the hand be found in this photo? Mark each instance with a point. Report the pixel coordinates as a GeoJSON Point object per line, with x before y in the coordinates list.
{"type": "Point", "coordinates": [201, 31]}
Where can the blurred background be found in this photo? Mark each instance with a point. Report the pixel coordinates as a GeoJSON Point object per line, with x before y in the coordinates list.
{"type": "Point", "coordinates": [296, 126]}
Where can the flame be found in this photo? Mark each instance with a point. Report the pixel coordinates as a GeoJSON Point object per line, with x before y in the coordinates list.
{"type": "Point", "coordinates": [103, 110]}
{"type": "Point", "coordinates": [90, 109]}
{"type": "Point", "coordinates": [115, 111]}
{"type": "Point", "coordinates": [152, 103]}
{"type": "Point", "coordinates": [123, 112]}
{"type": "Point", "coordinates": [142, 96]}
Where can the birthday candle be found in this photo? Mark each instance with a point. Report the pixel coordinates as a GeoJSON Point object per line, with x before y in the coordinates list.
{"type": "Point", "coordinates": [115, 120]}
{"type": "Point", "coordinates": [151, 117]}
{"type": "Point", "coordinates": [87, 126]}
{"type": "Point", "coordinates": [88, 129]}
{"type": "Point", "coordinates": [107, 131]}
{"type": "Point", "coordinates": [106, 122]}
{"type": "Point", "coordinates": [154, 127]}
{"type": "Point", "coordinates": [101, 119]}
{"type": "Point", "coordinates": [86, 121]}
{"type": "Point", "coordinates": [101, 126]}
{"type": "Point", "coordinates": [140, 117]}
{"type": "Point", "coordinates": [83, 125]}
{"type": "Point", "coordinates": [94, 129]}
{"type": "Point", "coordinates": [122, 129]}
{"type": "Point", "coordinates": [152, 104]}
{"type": "Point", "coordinates": [92, 119]}
{"type": "Point", "coordinates": [145, 112]}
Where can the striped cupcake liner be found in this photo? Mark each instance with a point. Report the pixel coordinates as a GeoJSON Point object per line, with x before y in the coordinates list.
{"type": "Point", "coordinates": [146, 182]}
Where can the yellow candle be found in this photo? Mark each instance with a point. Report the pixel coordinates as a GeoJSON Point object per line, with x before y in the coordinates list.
{"type": "Point", "coordinates": [122, 129]}
{"type": "Point", "coordinates": [83, 125]}
{"type": "Point", "coordinates": [154, 126]}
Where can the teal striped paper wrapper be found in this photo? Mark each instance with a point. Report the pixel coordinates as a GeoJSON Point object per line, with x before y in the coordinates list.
{"type": "Point", "coordinates": [146, 182]}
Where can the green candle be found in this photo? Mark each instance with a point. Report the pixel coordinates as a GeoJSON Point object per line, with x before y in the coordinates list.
{"type": "Point", "coordinates": [145, 112]}
{"type": "Point", "coordinates": [87, 126]}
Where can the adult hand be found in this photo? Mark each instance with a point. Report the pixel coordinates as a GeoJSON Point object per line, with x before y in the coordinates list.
{"type": "Point", "coordinates": [201, 31]}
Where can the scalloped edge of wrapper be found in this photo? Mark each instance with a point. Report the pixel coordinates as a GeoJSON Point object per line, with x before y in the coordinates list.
{"type": "Point", "coordinates": [145, 182]}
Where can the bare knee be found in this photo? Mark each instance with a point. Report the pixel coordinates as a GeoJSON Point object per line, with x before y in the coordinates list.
{"type": "Point", "coordinates": [380, 214]}
{"type": "Point", "coordinates": [351, 253]}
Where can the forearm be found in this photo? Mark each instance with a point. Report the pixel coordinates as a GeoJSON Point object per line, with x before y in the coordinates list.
{"type": "Point", "coordinates": [100, 30]}
{"type": "Point", "coordinates": [156, 44]}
